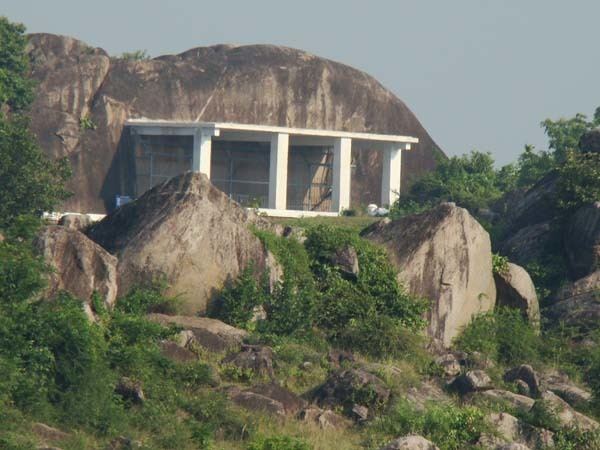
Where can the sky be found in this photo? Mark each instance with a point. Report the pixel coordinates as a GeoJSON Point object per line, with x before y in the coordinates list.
{"type": "Point", "coordinates": [479, 74]}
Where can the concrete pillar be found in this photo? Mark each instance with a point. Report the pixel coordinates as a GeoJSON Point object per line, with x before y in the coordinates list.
{"type": "Point", "coordinates": [342, 158]}
{"type": "Point", "coordinates": [202, 151]}
{"type": "Point", "coordinates": [278, 168]}
{"type": "Point", "coordinates": [392, 173]}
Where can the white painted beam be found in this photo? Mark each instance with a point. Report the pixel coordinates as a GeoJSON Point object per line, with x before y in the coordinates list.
{"type": "Point", "coordinates": [278, 168]}
{"type": "Point", "coordinates": [391, 178]}
{"type": "Point", "coordinates": [342, 158]}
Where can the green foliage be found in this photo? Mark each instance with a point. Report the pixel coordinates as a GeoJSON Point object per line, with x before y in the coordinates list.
{"type": "Point", "coordinates": [593, 378]}
{"type": "Point", "coordinates": [448, 426]}
{"type": "Point", "coordinates": [148, 299]}
{"type": "Point", "coordinates": [503, 336]}
{"type": "Point", "coordinates": [576, 439]}
{"type": "Point", "coordinates": [29, 181]}
{"type": "Point", "coordinates": [16, 90]}
{"type": "Point", "coordinates": [136, 55]}
{"type": "Point", "coordinates": [237, 303]}
{"type": "Point", "coordinates": [564, 134]}
{"type": "Point", "coordinates": [469, 180]}
{"type": "Point", "coordinates": [86, 123]}
{"type": "Point", "coordinates": [499, 264]}
{"type": "Point", "coordinates": [279, 442]}
{"type": "Point", "coordinates": [579, 180]}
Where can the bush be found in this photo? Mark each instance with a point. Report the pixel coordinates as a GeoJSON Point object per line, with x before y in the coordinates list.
{"type": "Point", "coordinates": [279, 442]}
{"type": "Point", "coordinates": [499, 264]}
{"type": "Point", "coordinates": [236, 303]}
{"type": "Point", "coordinates": [503, 336]}
{"type": "Point", "coordinates": [143, 300]}
{"type": "Point", "coordinates": [448, 426]}
{"type": "Point", "coordinates": [579, 180]}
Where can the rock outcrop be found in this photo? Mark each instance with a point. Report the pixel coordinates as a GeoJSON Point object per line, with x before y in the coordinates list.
{"type": "Point", "coordinates": [80, 266]}
{"type": "Point", "coordinates": [516, 290]}
{"type": "Point", "coordinates": [186, 232]}
{"type": "Point", "coordinates": [413, 442]}
{"type": "Point", "coordinates": [445, 256]}
{"type": "Point", "coordinates": [582, 241]}
{"type": "Point", "coordinates": [256, 84]}
{"type": "Point", "coordinates": [577, 304]}
{"type": "Point", "coordinates": [211, 334]}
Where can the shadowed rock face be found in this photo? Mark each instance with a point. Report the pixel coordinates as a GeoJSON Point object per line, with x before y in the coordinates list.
{"type": "Point", "coordinates": [259, 84]}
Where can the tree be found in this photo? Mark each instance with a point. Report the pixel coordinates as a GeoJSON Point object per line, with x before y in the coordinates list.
{"type": "Point", "coordinates": [30, 182]}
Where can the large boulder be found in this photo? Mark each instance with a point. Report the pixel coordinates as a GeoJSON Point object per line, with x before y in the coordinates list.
{"type": "Point", "coordinates": [565, 414]}
{"type": "Point", "coordinates": [531, 242]}
{"type": "Point", "coordinates": [255, 84]}
{"type": "Point", "coordinates": [186, 232]}
{"type": "Point", "coordinates": [516, 290]}
{"type": "Point", "coordinates": [80, 266]}
{"type": "Point", "coordinates": [576, 304]}
{"type": "Point", "coordinates": [582, 241]}
{"type": "Point", "coordinates": [211, 334]}
{"type": "Point", "coordinates": [512, 430]}
{"type": "Point", "coordinates": [536, 205]}
{"type": "Point", "coordinates": [445, 256]}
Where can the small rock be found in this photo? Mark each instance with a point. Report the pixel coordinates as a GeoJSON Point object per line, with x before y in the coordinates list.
{"type": "Point", "coordinates": [472, 381]}
{"type": "Point", "coordinates": [512, 446]}
{"type": "Point", "coordinates": [337, 358]}
{"type": "Point", "coordinates": [124, 443]}
{"type": "Point", "coordinates": [48, 433]}
{"type": "Point", "coordinates": [346, 260]}
{"type": "Point", "coordinates": [360, 413]}
{"type": "Point", "coordinates": [523, 388]}
{"type": "Point", "coordinates": [174, 352]}
{"type": "Point", "coordinates": [517, 401]}
{"type": "Point", "coordinates": [413, 442]}
{"type": "Point", "coordinates": [567, 416]}
{"type": "Point", "coordinates": [449, 364]}
{"type": "Point", "coordinates": [526, 373]}
{"type": "Point", "coordinates": [306, 365]}
{"type": "Point", "coordinates": [258, 358]}
{"type": "Point", "coordinates": [291, 402]}
{"type": "Point", "coordinates": [130, 390]}
{"type": "Point", "coordinates": [257, 402]}
{"type": "Point", "coordinates": [324, 418]}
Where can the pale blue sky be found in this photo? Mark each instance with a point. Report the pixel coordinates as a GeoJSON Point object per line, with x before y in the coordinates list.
{"type": "Point", "coordinates": [478, 74]}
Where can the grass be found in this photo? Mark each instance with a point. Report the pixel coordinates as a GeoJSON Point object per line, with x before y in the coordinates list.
{"type": "Point", "coordinates": [355, 223]}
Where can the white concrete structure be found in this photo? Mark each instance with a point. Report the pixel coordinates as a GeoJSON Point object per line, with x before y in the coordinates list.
{"type": "Point", "coordinates": [279, 141]}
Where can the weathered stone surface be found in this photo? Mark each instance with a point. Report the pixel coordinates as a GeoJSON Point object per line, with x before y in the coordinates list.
{"type": "Point", "coordinates": [529, 243]}
{"type": "Point", "coordinates": [512, 446]}
{"type": "Point", "coordinates": [81, 267]}
{"type": "Point", "coordinates": [445, 256]}
{"type": "Point", "coordinates": [324, 418]}
{"type": "Point", "coordinates": [426, 393]}
{"type": "Point", "coordinates": [270, 398]}
{"type": "Point", "coordinates": [258, 358]}
{"type": "Point", "coordinates": [346, 260]}
{"type": "Point", "coordinates": [75, 221]}
{"type": "Point", "coordinates": [176, 353]}
{"type": "Point", "coordinates": [185, 231]}
{"type": "Point", "coordinates": [346, 387]}
{"type": "Point", "coordinates": [292, 403]}
{"type": "Point", "coordinates": [211, 334]}
{"type": "Point", "coordinates": [472, 381]}
{"type": "Point", "coordinates": [48, 433]}
{"type": "Point", "coordinates": [536, 205]}
{"type": "Point", "coordinates": [577, 304]}
{"type": "Point", "coordinates": [413, 442]}
{"type": "Point", "coordinates": [518, 401]}
{"type": "Point", "coordinates": [562, 386]}
{"type": "Point", "coordinates": [512, 430]}
{"type": "Point", "coordinates": [256, 84]}
{"type": "Point", "coordinates": [567, 416]}
{"type": "Point", "coordinates": [525, 373]}
{"type": "Point", "coordinates": [130, 390]}
{"type": "Point", "coordinates": [582, 241]}
{"type": "Point", "coordinates": [590, 141]}
{"type": "Point", "coordinates": [449, 364]}
{"type": "Point", "coordinates": [516, 290]}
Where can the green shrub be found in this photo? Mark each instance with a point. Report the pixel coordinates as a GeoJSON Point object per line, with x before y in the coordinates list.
{"type": "Point", "coordinates": [236, 303]}
{"type": "Point", "coordinates": [579, 180]}
{"type": "Point", "coordinates": [499, 264]}
{"type": "Point", "coordinates": [448, 426]}
{"type": "Point", "coordinates": [279, 442]}
{"type": "Point", "coordinates": [142, 300]}
{"type": "Point", "coordinates": [576, 439]}
{"type": "Point", "coordinates": [503, 336]}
